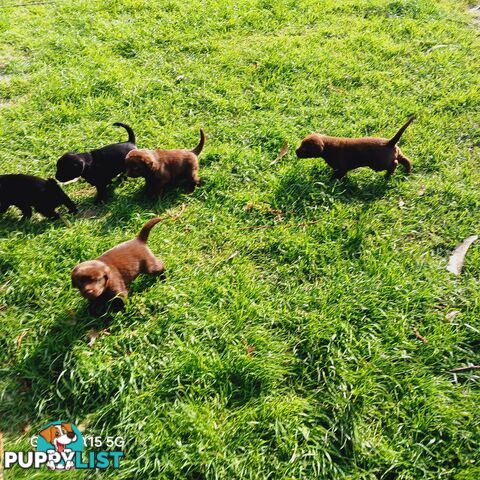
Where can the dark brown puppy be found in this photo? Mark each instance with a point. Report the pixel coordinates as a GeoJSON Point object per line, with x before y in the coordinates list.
{"type": "Point", "coordinates": [27, 191]}
{"type": "Point", "coordinates": [345, 154]}
{"type": "Point", "coordinates": [164, 168]}
{"type": "Point", "coordinates": [107, 277]}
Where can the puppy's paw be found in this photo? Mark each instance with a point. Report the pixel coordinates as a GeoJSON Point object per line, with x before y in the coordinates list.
{"type": "Point", "coordinates": [117, 304]}
{"type": "Point", "coordinates": [95, 309]}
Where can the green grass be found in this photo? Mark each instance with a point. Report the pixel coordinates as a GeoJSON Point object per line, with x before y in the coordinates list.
{"type": "Point", "coordinates": [286, 352]}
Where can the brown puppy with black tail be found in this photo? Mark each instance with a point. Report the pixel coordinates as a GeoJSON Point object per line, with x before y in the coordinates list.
{"type": "Point", "coordinates": [108, 277]}
{"type": "Point", "coordinates": [345, 154]}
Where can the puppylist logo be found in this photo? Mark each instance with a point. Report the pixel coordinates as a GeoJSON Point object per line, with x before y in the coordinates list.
{"type": "Point", "coordinates": [59, 446]}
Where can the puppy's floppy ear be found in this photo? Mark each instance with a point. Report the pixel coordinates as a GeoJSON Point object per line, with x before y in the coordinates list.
{"type": "Point", "coordinates": [149, 161]}
{"type": "Point", "coordinates": [48, 434]}
{"type": "Point", "coordinates": [107, 272]}
{"type": "Point", "coordinates": [67, 427]}
{"type": "Point", "coordinates": [74, 274]}
{"type": "Point", "coordinates": [319, 143]}
{"type": "Point", "coordinates": [51, 182]}
{"type": "Point", "coordinates": [146, 158]}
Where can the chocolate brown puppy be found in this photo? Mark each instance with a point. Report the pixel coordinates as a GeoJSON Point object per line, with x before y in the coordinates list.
{"type": "Point", "coordinates": [345, 154]}
{"type": "Point", "coordinates": [108, 277]}
{"type": "Point", "coordinates": [164, 168]}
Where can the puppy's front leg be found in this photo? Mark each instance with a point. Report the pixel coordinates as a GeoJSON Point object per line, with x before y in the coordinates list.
{"type": "Point", "coordinates": [117, 298]}
{"type": "Point", "coordinates": [102, 194]}
{"type": "Point", "coordinates": [118, 303]}
{"type": "Point", "coordinates": [49, 213]}
{"type": "Point", "coordinates": [72, 208]}
{"type": "Point", "coordinates": [338, 173]}
{"type": "Point", "coordinates": [96, 307]}
{"type": "Point", "coordinates": [153, 187]}
{"type": "Point", "coordinates": [117, 293]}
{"type": "Point", "coordinates": [26, 211]}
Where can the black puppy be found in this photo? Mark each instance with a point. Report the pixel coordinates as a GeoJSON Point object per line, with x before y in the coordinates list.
{"type": "Point", "coordinates": [27, 191]}
{"type": "Point", "coordinates": [98, 167]}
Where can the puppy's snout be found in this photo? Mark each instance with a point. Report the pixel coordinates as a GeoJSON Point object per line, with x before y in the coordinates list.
{"type": "Point", "coordinates": [88, 292]}
{"type": "Point", "coordinates": [71, 435]}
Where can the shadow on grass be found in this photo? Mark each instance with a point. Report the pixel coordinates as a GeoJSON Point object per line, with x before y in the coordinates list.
{"type": "Point", "coordinates": [300, 188]}
{"type": "Point", "coordinates": [124, 206]}
{"type": "Point", "coordinates": [144, 282]}
{"type": "Point", "coordinates": [9, 223]}
{"type": "Point", "coordinates": [34, 380]}
{"type": "Point", "coordinates": [35, 383]}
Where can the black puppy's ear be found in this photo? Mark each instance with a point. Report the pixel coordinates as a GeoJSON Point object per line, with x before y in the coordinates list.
{"type": "Point", "coordinates": [53, 186]}
{"type": "Point", "coordinates": [51, 182]}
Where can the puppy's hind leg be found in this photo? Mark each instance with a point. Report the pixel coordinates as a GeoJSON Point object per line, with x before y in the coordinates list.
{"type": "Point", "coordinates": [406, 163]}
{"type": "Point", "coordinates": [154, 266]}
{"type": "Point", "coordinates": [391, 169]}
{"type": "Point", "coordinates": [193, 182]}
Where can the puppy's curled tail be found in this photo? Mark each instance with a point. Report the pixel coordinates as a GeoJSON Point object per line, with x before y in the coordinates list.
{"type": "Point", "coordinates": [396, 138]}
{"type": "Point", "coordinates": [131, 135]}
{"type": "Point", "coordinates": [145, 231]}
{"type": "Point", "coordinates": [200, 145]}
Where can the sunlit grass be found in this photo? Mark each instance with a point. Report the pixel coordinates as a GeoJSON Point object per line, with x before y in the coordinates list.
{"type": "Point", "coordinates": [283, 352]}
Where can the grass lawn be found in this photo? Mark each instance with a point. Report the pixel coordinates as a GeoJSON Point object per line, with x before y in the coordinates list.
{"type": "Point", "coordinates": [285, 352]}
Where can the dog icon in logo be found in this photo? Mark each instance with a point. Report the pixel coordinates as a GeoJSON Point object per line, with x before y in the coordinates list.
{"type": "Point", "coordinates": [59, 436]}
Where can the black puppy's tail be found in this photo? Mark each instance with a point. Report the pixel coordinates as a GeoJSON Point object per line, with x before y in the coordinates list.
{"type": "Point", "coordinates": [145, 231]}
{"type": "Point", "coordinates": [200, 145]}
{"type": "Point", "coordinates": [396, 138]}
{"type": "Point", "coordinates": [131, 135]}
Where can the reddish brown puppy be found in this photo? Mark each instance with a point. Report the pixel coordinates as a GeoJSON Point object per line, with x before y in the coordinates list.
{"type": "Point", "coordinates": [107, 277]}
{"type": "Point", "coordinates": [345, 154]}
{"type": "Point", "coordinates": [164, 168]}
